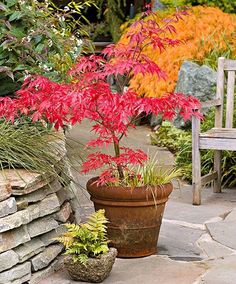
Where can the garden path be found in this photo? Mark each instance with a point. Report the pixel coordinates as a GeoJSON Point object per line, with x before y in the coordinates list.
{"type": "Point", "coordinates": [196, 244]}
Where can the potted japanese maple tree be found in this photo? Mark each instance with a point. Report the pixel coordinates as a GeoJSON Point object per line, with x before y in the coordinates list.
{"type": "Point", "coordinates": [133, 199]}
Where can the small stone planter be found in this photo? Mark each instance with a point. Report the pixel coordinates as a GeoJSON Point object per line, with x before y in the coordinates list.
{"type": "Point", "coordinates": [96, 269]}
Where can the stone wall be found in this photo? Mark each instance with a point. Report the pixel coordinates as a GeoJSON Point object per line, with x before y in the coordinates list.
{"type": "Point", "coordinates": [32, 213]}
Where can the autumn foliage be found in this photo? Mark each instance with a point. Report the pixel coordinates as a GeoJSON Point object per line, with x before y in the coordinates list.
{"type": "Point", "coordinates": [89, 96]}
{"type": "Point", "coordinates": [205, 29]}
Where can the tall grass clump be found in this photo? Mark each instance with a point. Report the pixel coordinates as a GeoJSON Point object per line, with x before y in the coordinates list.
{"type": "Point", "coordinates": [30, 146]}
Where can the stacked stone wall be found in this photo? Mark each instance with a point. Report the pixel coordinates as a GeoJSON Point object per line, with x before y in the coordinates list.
{"type": "Point", "coordinates": [32, 213]}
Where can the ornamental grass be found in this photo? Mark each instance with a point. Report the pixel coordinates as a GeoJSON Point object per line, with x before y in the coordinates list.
{"type": "Point", "coordinates": [205, 32]}
{"type": "Point", "coordinates": [33, 147]}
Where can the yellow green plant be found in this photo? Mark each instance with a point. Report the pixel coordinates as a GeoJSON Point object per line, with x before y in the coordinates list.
{"type": "Point", "coordinates": [87, 239]}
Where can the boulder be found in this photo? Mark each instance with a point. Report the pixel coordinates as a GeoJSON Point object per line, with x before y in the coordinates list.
{"type": "Point", "coordinates": [198, 81]}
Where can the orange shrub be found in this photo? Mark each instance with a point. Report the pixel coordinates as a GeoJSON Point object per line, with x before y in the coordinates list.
{"type": "Point", "coordinates": [204, 30]}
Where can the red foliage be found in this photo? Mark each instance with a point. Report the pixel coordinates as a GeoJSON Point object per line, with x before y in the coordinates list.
{"type": "Point", "coordinates": [89, 96]}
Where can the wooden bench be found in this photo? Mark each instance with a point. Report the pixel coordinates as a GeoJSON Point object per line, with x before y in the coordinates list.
{"type": "Point", "coordinates": [221, 137]}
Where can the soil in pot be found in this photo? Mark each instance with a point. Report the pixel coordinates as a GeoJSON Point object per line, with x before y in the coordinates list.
{"type": "Point", "coordinates": [135, 215]}
{"type": "Point", "coordinates": [96, 269]}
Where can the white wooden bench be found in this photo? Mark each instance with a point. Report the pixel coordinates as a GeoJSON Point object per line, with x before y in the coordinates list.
{"type": "Point", "coordinates": [221, 137]}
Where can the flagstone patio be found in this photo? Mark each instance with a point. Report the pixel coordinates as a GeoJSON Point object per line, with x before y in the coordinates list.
{"type": "Point", "coordinates": [197, 244]}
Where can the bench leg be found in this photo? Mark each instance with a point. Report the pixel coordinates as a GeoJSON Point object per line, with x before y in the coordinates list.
{"type": "Point", "coordinates": [196, 162]}
{"type": "Point", "coordinates": [196, 177]}
{"type": "Point", "coordinates": [217, 168]}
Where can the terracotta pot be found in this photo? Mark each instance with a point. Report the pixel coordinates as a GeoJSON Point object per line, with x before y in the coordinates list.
{"type": "Point", "coordinates": [135, 215]}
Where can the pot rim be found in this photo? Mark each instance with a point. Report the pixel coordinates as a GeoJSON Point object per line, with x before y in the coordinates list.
{"type": "Point", "coordinates": [136, 196]}
{"type": "Point", "coordinates": [91, 183]}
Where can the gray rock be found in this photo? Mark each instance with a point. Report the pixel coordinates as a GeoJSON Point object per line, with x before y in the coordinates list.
{"type": "Point", "coordinates": [64, 194]}
{"type": "Point", "coordinates": [5, 189]}
{"type": "Point", "coordinates": [8, 259]}
{"type": "Point", "coordinates": [7, 207]}
{"type": "Point", "coordinates": [22, 280]}
{"type": "Point", "coordinates": [43, 259]}
{"type": "Point", "coordinates": [40, 194]}
{"type": "Point", "coordinates": [14, 221]}
{"type": "Point", "coordinates": [196, 80]}
{"type": "Point", "coordinates": [13, 238]}
{"type": "Point", "coordinates": [29, 249]}
{"type": "Point", "coordinates": [48, 205]}
{"type": "Point", "coordinates": [41, 226]}
{"type": "Point", "coordinates": [64, 214]}
{"type": "Point", "coordinates": [15, 273]}
{"type": "Point", "coordinates": [39, 275]}
{"type": "Point", "coordinates": [21, 181]}
{"type": "Point", "coordinates": [49, 237]}
{"type": "Point", "coordinates": [96, 269]}
{"type": "Point", "coordinates": [199, 81]}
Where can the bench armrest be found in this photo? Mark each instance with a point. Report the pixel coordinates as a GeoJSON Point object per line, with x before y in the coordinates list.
{"type": "Point", "coordinates": [211, 103]}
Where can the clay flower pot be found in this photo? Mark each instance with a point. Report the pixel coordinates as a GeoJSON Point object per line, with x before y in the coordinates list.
{"type": "Point", "coordinates": [135, 215]}
{"type": "Point", "coordinates": [96, 269]}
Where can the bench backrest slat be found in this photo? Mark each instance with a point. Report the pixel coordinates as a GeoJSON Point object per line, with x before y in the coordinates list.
{"type": "Point", "coordinates": [225, 75]}
{"type": "Point", "coordinates": [230, 99]}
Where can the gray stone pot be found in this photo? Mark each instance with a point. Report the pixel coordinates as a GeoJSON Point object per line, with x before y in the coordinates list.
{"type": "Point", "coordinates": [96, 269]}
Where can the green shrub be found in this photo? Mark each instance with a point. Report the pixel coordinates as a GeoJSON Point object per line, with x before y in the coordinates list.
{"type": "Point", "coordinates": [211, 58]}
{"type": "Point", "coordinates": [227, 6]}
{"type": "Point", "coordinates": [180, 143]}
{"type": "Point", "coordinates": [87, 239]}
{"type": "Point", "coordinates": [34, 39]}
{"type": "Point", "coordinates": [97, 31]}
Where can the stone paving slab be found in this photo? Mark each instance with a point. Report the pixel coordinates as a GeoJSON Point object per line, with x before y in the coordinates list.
{"type": "Point", "coordinates": [212, 249]}
{"type": "Point", "coordinates": [184, 233]}
{"type": "Point", "coordinates": [179, 206]}
{"type": "Point", "coordinates": [222, 271]}
{"type": "Point", "coordinates": [148, 270]}
{"type": "Point", "coordinates": [224, 231]}
{"type": "Point", "coordinates": [178, 241]}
